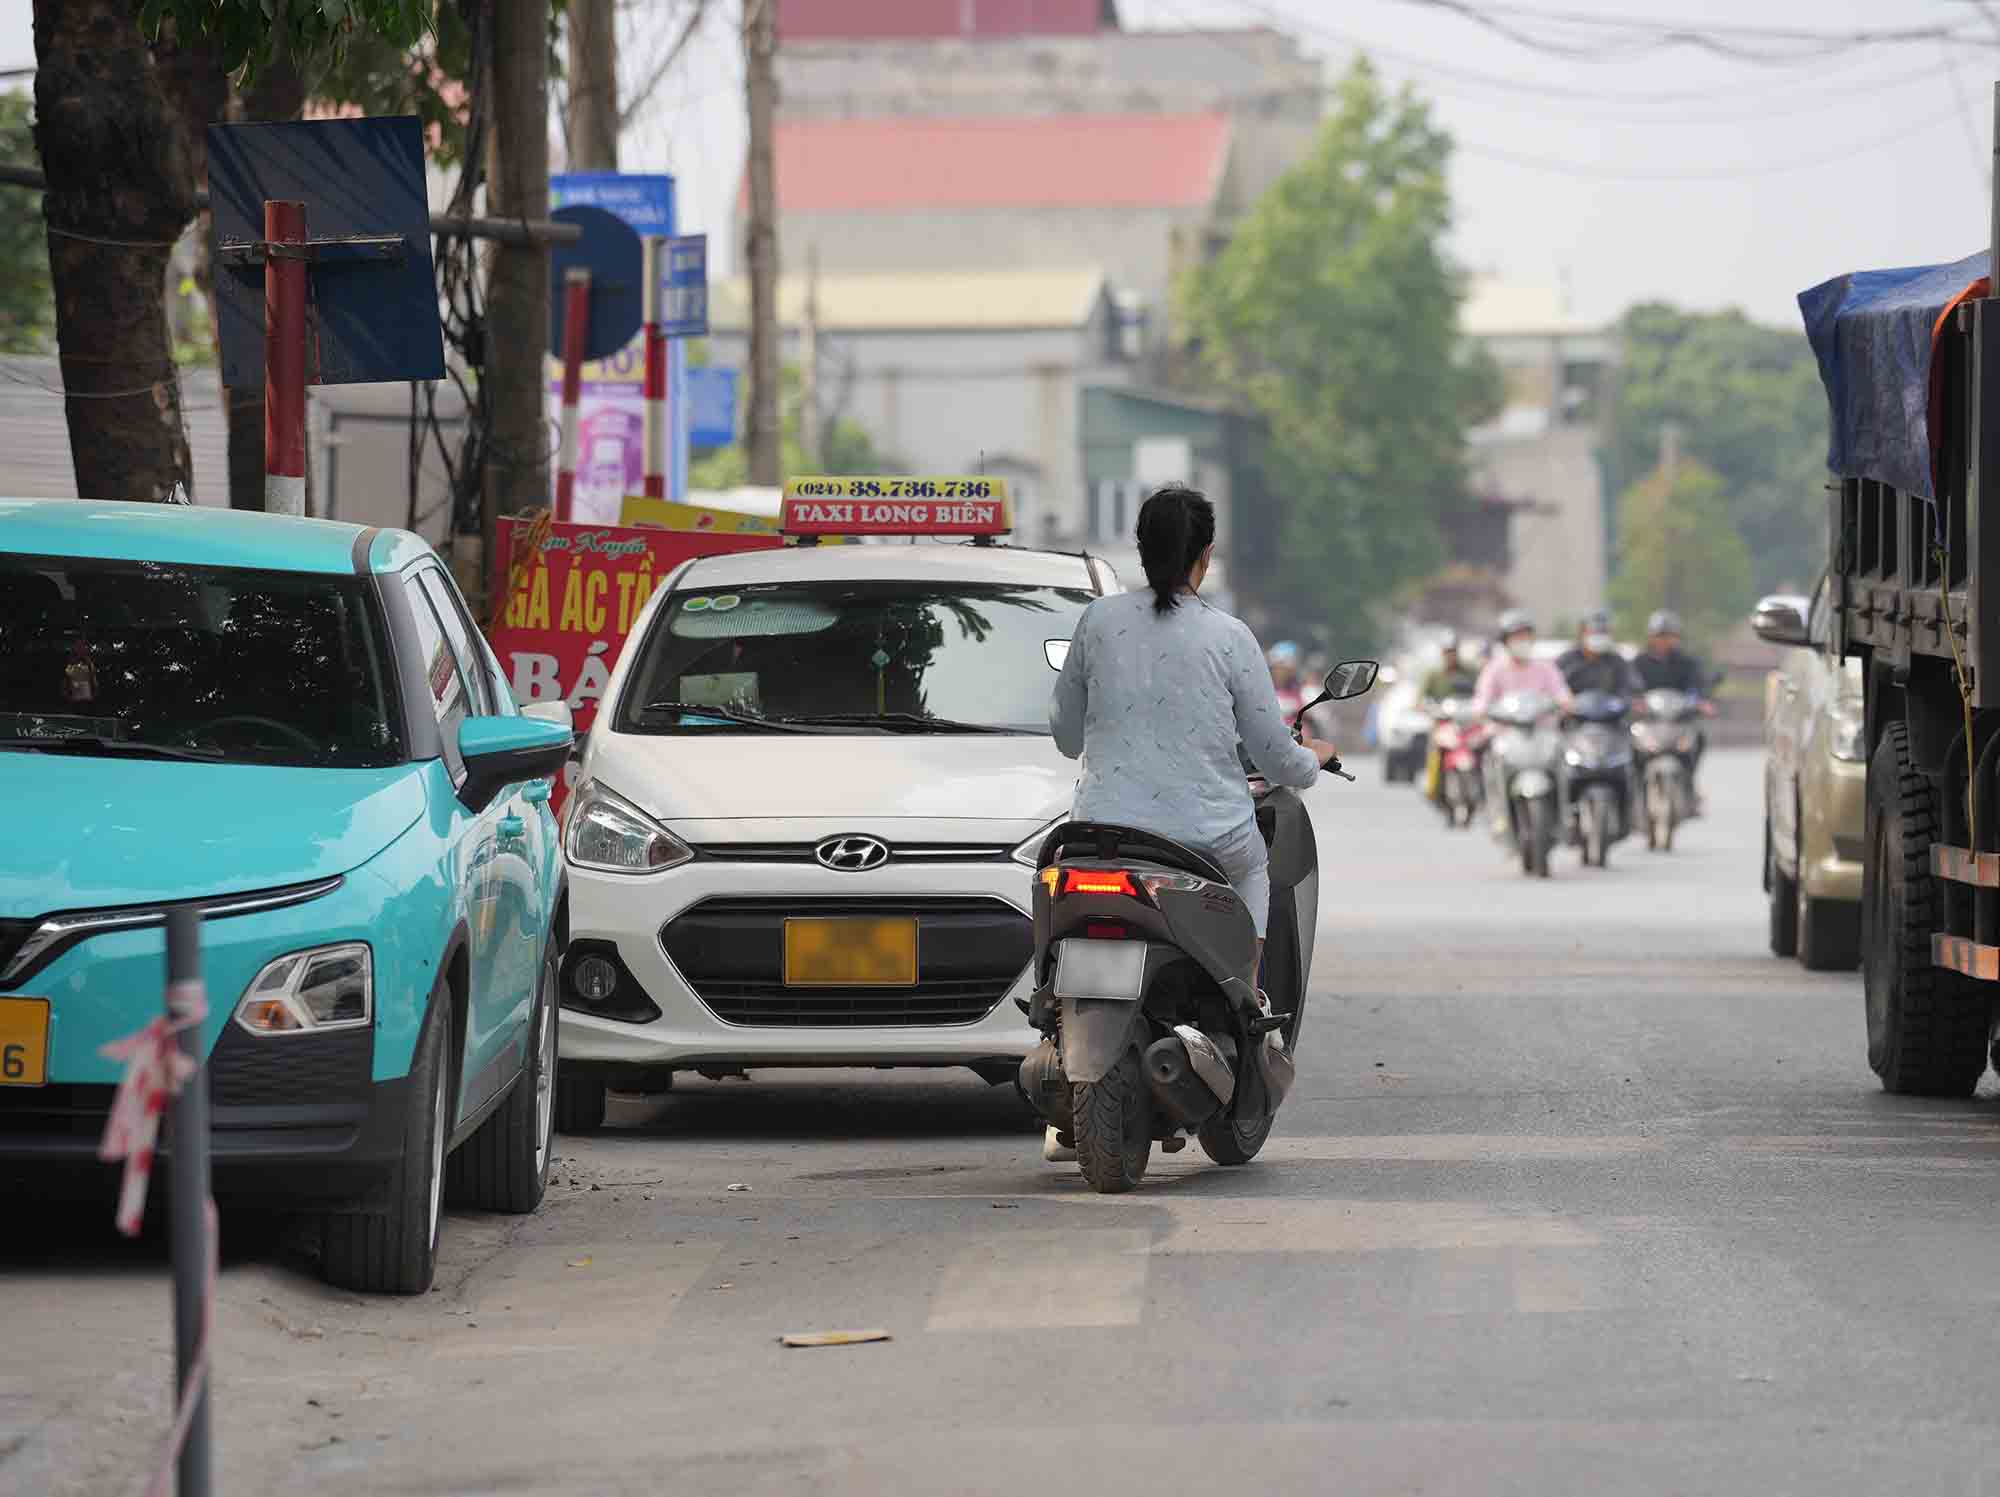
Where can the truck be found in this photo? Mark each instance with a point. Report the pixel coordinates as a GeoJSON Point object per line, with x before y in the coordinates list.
{"type": "Point", "coordinates": [1911, 363]}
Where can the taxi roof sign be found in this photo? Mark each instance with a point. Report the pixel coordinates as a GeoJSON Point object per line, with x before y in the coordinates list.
{"type": "Point", "coordinates": [976, 507]}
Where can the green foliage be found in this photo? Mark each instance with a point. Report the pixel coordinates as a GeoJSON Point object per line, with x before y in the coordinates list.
{"type": "Point", "coordinates": [27, 306]}
{"type": "Point", "coordinates": [248, 33]}
{"type": "Point", "coordinates": [1749, 404]}
{"type": "Point", "coordinates": [1334, 315]}
{"type": "Point", "coordinates": [847, 448]}
{"type": "Point", "coordinates": [1677, 549]}
{"type": "Point", "coordinates": [381, 75]}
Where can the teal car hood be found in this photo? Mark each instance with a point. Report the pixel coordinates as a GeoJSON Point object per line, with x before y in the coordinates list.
{"type": "Point", "coordinates": [85, 831]}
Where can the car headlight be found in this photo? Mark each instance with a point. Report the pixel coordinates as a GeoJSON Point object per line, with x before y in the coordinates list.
{"type": "Point", "coordinates": [1029, 853]}
{"type": "Point", "coordinates": [610, 834]}
{"type": "Point", "coordinates": [1844, 727]}
{"type": "Point", "coordinates": [329, 987]}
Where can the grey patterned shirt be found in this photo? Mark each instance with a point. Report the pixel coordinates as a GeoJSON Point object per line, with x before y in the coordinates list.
{"type": "Point", "coordinates": [1155, 705]}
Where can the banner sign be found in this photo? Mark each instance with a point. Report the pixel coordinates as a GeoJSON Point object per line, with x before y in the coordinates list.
{"type": "Point", "coordinates": [611, 410]}
{"type": "Point", "coordinates": [668, 515]}
{"type": "Point", "coordinates": [572, 598]}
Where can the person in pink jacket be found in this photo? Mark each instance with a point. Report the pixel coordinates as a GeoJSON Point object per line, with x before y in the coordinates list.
{"type": "Point", "coordinates": [1513, 668]}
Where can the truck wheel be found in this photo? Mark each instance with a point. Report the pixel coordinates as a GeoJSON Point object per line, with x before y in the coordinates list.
{"type": "Point", "coordinates": [1927, 1027]}
{"type": "Point", "coordinates": [505, 1165]}
{"type": "Point", "coordinates": [1783, 898]}
{"type": "Point", "coordinates": [394, 1251]}
{"type": "Point", "coordinates": [1114, 1126]}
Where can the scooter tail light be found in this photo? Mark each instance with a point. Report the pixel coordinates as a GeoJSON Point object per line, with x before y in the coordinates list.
{"type": "Point", "coordinates": [1099, 881]}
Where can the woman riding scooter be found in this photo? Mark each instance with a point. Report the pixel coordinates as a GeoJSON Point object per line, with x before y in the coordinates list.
{"type": "Point", "coordinates": [1158, 692]}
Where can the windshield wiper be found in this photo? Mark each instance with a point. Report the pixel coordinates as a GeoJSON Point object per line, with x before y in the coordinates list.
{"type": "Point", "coordinates": [903, 722]}
{"type": "Point", "coordinates": [727, 714]}
{"type": "Point", "coordinates": [115, 745]}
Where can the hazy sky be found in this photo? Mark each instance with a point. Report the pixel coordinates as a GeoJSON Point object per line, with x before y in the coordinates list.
{"type": "Point", "coordinates": [1674, 174]}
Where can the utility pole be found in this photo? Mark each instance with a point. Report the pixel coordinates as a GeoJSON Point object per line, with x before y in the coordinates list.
{"type": "Point", "coordinates": [593, 85]}
{"type": "Point", "coordinates": [764, 438]}
{"type": "Point", "coordinates": [809, 438]}
{"type": "Point", "coordinates": [517, 292]}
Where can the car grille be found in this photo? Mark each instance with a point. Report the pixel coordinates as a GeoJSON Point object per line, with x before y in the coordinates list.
{"type": "Point", "coordinates": [731, 952]}
{"type": "Point", "coordinates": [899, 852]}
{"type": "Point", "coordinates": [247, 1070]}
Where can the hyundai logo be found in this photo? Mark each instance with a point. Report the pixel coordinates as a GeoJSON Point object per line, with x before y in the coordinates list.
{"type": "Point", "coordinates": [851, 854]}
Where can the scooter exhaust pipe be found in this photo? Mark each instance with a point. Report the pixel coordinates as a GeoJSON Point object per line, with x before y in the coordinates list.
{"type": "Point", "coordinates": [1177, 1087]}
{"type": "Point", "coordinates": [1045, 1086]}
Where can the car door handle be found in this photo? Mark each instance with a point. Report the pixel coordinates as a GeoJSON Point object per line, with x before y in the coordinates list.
{"type": "Point", "coordinates": [535, 792]}
{"type": "Point", "coordinates": [513, 826]}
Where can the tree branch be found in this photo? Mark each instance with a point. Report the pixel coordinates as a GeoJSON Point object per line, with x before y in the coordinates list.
{"type": "Point", "coordinates": [644, 92]}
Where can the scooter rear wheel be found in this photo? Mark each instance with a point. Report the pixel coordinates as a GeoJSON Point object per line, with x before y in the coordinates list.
{"type": "Point", "coordinates": [1113, 1126]}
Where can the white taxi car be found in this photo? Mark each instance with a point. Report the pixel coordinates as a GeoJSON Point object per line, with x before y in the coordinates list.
{"type": "Point", "coordinates": [808, 811]}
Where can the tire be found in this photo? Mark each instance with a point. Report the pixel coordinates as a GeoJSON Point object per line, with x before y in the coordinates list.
{"type": "Point", "coordinates": [1928, 1027]}
{"type": "Point", "coordinates": [1114, 1126]}
{"type": "Point", "coordinates": [580, 1102]}
{"type": "Point", "coordinates": [1227, 1141]}
{"type": "Point", "coordinates": [1541, 837]}
{"type": "Point", "coordinates": [1596, 829]}
{"type": "Point", "coordinates": [1783, 900]}
{"type": "Point", "coordinates": [394, 1251]}
{"type": "Point", "coordinates": [505, 1165]}
{"type": "Point", "coordinates": [1829, 934]}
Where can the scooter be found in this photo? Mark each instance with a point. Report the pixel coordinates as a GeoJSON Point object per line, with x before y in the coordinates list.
{"type": "Point", "coordinates": [1597, 773]}
{"type": "Point", "coordinates": [1665, 742]}
{"type": "Point", "coordinates": [1144, 958]}
{"type": "Point", "coordinates": [1460, 740]}
{"type": "Point", "coordinates": [1521, 778]}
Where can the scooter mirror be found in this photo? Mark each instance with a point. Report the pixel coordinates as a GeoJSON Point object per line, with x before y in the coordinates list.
{"type": "Point", "coordinates": [1351, 678]}
{"type": "Point", "coordinates": [1055, 651]}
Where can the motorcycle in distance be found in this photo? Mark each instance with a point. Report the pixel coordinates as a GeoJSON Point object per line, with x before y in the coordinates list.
{"type": "Point", "coordinates": [1521, 777]}
{"type": "Point", "coordinates": [1143, 956]}
{"type": "Point", "coordinates": [1460, 740]}
{"type": "Point", "coordinates": [1597, 773]}
{"type": "Point", "coordinates": [1664, 742]}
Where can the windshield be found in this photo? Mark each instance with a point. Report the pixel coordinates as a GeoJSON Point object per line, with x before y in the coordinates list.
{"type": "Point", "coordinates": [860, 656]}
{"type": "Point", "coordinates": [223, 663]}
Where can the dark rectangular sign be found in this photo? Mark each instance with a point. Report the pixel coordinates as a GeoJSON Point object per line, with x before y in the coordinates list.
{"type": "Point", "coordinates": [372, 311]}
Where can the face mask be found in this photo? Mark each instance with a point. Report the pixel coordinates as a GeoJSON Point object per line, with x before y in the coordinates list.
{"type": "Point", "coordinates": [1597, 644]}
{"type": "Point", "coordinates": [1520, 649]}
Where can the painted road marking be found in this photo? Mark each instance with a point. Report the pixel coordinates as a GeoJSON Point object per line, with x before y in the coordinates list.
{"type": "Point", "coordinates": [1093, 1276]}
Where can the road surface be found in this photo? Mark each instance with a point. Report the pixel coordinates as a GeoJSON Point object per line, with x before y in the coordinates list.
{"type": "Point", "coordinates": [1580, 1191]}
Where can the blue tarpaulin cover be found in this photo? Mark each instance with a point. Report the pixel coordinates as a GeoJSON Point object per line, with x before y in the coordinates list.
{"type": "Point", "coordinates": [1871, 332]}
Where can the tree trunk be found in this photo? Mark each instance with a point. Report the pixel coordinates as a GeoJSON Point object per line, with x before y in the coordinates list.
{"type": "Point", "coordinates": [517, 286]}
{"type": "Point", "coordinates": [764, 438]}
{"type": "Point", "coordinates": [119, 195]}
{"type": "Point", "coordinates": [277, 94]}
{"type": "Point", "coordinates": [593, 85]}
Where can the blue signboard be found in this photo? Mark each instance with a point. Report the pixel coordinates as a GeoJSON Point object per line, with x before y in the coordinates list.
{"type": "Point", "coordinates": [684, 299]}
{"type": "Point", "coordinates": [644, 202]}
{"type": "Point", "coordinates": [711, 406]}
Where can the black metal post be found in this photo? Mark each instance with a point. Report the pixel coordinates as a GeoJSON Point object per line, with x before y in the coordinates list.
{"type": "Point", "coordinates": [188, 1202]}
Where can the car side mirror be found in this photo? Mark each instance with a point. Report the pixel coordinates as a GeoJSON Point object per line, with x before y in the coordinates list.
{"type": "Point", "coordinates": [503, 751]}
{"type": "Point", "coordinates": [1351, 678]}
{"type": "Point", "coordinates": [1055, 651]}
{"type": "Point", "coordinates": [1781, 620]}
{"type": "Point", "coordinates": [557, 712]}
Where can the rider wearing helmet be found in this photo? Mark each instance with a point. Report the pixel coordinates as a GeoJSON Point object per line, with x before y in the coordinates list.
{"type": "Point", "coordinates": [1513, 667]}
{"type": "Point", "coordinates": [1665, 664]}
{"type": "Point", "coordinates": [1283, 659]}
{"type": "Point", "coordinates": [1454, 676]}
{"type": "Point", "coordinates": [1595, 664]}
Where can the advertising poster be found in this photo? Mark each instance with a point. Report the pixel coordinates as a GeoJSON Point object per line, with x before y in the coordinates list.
{"type": "Point", "coordinates": [611, 458]}
{"type": "Point", "coordinates": [571, 601]}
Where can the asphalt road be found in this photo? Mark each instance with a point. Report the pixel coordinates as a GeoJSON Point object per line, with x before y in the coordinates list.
{"type": "Point", "coordinates": [1580, 1192]}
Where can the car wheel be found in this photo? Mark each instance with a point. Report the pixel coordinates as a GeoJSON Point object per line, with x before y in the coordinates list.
{"type": "Point", "coordinates": [505, 1165]}
{"type": "Point", "coordinates": [1928, 1028]}
{"type": "Point", "coordinates": [394, 1250]}
{"type": "Point", "coordinates": [1783, 900]}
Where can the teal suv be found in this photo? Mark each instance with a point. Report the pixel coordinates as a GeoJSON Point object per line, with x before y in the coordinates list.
{"type": "Point", "coordinates": [295, 727]}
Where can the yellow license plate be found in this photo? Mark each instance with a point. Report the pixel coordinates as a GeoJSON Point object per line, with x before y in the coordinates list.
{"type": "Point", "coordinates": [24, 1041]}
{"type": "Point", "coordinates": [850, 952]}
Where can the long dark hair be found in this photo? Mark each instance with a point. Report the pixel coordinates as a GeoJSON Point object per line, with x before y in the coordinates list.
{"type": "Point", "coordinates": [1176, 525]}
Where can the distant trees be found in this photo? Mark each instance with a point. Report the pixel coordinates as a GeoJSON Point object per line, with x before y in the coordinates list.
{"type": "Point", "coordinates": [27, 309]}
{"type": "Point", "coordinates": [1333, 314]}
{"type": "Point", "coordinates": [1678, 548]}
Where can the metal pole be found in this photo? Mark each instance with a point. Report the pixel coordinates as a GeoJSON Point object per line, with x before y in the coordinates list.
{"type": "Point", "coordinates": [656, 376]}
{"type": "Point", "coordinates": [576, 334]}
{"type": "Point", "coordinates": [284, 362]}
{"type": "Point", "coordinates": [1993, 231]}
{"type": "Point", "coordinates": [188, 1201]}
